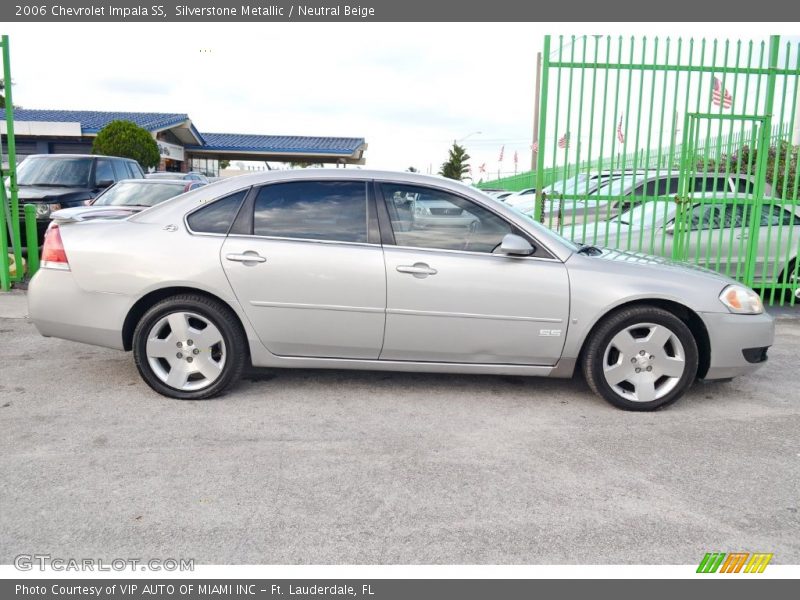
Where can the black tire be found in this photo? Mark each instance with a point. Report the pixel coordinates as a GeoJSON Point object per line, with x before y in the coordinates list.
{"type": "Point", "coordinates": [600, 341]}
{"type": "Point", "coordinates": [215, 312]}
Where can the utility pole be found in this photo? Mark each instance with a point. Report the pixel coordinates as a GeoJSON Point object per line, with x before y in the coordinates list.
{"type": "Point", "coordinates": [535, 142]}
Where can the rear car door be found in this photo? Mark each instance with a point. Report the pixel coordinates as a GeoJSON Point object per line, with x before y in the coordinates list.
{"type": "Point", "coordinates": [305, 262]}
{"type": "Point", "coordinates": [450, 299]}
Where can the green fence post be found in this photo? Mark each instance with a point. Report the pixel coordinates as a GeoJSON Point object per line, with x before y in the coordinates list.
{"type": "Point", "coordinates": [539, 204]}
{"type": "Point", "coordinates": [761, 163]}
{"type": "Point", "coordinates": [32, 239]}
{"type": "Point", "coordinates": [12, 160]}
{"type": "Point", "coordinates": [5, 274]}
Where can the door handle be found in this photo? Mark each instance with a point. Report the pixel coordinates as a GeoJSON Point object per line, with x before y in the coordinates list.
{"type": "Point", "coordinates": [246, 257]}
{"type": "Point", "coordinates": [417, 270]}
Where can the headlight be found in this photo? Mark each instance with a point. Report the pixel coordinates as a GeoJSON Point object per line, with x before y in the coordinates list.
{"type": "Point", "coordinates": [741, 300]}
{"type": "Point", "coordinates": [43, 210]}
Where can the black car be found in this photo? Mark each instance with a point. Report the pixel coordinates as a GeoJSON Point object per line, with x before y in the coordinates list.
{"type": "Point", "coordinates": [55, 181]}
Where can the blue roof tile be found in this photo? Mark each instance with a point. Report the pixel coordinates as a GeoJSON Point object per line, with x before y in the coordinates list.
{"type": "Point", "coordinates": [93, 121]}
{"type": "Point", "coordinates": [279, 143]}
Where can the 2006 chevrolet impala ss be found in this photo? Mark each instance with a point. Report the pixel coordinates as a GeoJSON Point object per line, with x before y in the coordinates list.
{"type": "Point", "coordinates": [392, 271]}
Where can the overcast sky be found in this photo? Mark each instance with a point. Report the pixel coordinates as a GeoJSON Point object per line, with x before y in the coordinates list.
{"type": "Point", "coordinates": [409, 89]}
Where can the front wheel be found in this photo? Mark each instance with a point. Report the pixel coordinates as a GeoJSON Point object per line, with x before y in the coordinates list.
{"type": "Point", "coordinates": [641, 358]}
{"type": "Point", "coordinates": [189, 347]}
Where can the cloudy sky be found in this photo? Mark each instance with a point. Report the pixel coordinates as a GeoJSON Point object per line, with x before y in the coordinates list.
{"type": "Point", "coordinates": [409, 89]}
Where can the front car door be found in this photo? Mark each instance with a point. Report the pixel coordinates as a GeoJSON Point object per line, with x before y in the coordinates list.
{"type": "Point", "coordinates": [450, 299]}
{"type": "Point", "coordinates": [305, 261]}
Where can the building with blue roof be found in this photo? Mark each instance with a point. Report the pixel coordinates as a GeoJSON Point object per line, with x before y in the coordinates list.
{"type": "Point", "coordinates": [181, 145]}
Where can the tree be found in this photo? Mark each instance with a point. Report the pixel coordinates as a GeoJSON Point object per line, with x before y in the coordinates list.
{"type": "Point", "coordinates": [304, 165]}
{"type": "Point", "coordinates": [412, 170]}
{"type": "Point", "coordinates": [224, 163]}
{"type": "Point", "coordinates": [456, 165]}
{"type": "Point", "coordinates": [128, 140]}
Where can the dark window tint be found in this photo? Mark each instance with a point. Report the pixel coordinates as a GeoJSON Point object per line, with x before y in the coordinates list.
{"type": "Point", "coordinates": [313, 210]}
{"type": "Point", "coordinates": [745, 186]}
{"type": "Point", "coordinates": [217, 216]}
{"type": "Point", "coordinates": [775, 215]}
{"type": "Point", "coordinates": [103, 171]}
{"type": "Point", "coordinates": [709, 183]}
{"type": "Point", "coordinates": [429, 218]}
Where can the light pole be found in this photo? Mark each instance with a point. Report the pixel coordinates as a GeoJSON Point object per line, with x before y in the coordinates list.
{"type": "Point", "coordinates": [469, 135]}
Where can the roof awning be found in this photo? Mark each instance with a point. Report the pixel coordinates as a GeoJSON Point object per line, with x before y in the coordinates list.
{"type": "Point", "coordinates": [281, 148]}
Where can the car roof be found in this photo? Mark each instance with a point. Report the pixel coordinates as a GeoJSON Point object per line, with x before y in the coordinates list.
{"type": "Point", "coordinates": [154, 181]}
{"type": "Point", "coordinates": [77, 156]}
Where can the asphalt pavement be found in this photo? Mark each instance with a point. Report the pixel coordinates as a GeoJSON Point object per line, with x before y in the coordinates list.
{"type": "Point", "coordinates": [299, 467]}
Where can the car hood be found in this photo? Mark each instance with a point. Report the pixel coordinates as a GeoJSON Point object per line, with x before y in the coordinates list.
{"type": "Point", "coordinates": [658, 262]}
{"type": "Point", "coordinates": [52, 195]}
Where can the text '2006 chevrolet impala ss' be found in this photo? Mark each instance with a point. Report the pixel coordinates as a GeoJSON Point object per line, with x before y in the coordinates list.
{"type": "Point", "coordinates": [384, 271]}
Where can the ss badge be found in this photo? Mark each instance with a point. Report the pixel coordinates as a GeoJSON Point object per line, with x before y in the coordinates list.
{"type": "Point", "coordinates": [550, 333]}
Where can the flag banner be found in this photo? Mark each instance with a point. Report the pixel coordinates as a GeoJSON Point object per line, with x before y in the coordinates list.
{"type": "Point", "coordinates": [563, 141]}
{"type": "Point", "coordinates": [720, 96]}
{"type": "Point", "coordinates": [620, 135]}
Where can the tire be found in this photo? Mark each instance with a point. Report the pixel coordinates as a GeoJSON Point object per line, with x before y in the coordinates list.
{"type": "Point", "coordinates": [788, 276]}
{"type": "Point", "coordinates": [200, 358]}
{"type": "Point", "coordinates": [640, 358]}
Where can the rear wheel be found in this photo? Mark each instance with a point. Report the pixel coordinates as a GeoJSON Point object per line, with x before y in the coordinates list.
{"type": "Point", "coordinates": [641, 358]}
{"type": "Point", "coordinates": [189, 347]}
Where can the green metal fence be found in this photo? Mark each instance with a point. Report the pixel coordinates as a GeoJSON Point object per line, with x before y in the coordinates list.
{"type": "Point", "coordinates": [10, 242]}
{"type": "Point", "coordinates": [684, 148]}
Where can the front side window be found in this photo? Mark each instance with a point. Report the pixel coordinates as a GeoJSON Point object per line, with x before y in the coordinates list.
{"type": "Point", "coordinates": [429, 218]}
{"type": "Point", "coordinates": [218, 216]}
{"type": "Point", "coordinates": [313, 210]}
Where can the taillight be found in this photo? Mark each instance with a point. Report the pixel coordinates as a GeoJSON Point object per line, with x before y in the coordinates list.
{"type": "Point", "coordinates": [53, 254]}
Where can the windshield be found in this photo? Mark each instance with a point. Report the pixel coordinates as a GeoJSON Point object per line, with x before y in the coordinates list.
{"type": "Point", "coordinates": [131, 193]}
{"type": "Point", "coordinates": [621, 185]}
{"type": "Point", "coordinates": [643, 214]}
{"type": "Point", "coordinates": [47, 170]}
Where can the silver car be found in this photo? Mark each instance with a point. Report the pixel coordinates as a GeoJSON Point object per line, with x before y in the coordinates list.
{"type": "Point", "coordinates": [321, 269]}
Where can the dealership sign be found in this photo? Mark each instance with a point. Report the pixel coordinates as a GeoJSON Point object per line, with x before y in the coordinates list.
{"type": "Point", "coordinates": [171, 151]}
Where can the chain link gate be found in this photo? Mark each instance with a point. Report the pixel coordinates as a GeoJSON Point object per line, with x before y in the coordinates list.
{"type": "Point", "coordinates": [680, 148]}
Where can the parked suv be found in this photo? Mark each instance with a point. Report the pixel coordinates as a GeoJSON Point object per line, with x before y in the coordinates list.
{"type": "Point", "coordinates": [55, 181]}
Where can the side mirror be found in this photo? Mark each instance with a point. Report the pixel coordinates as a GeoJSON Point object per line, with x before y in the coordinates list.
{"type": "Point", "coordinates": [514, 245]}
{"type": "Point", "coordinates": [104, 183]}
{"type": "Point", "coordinates": [670, 229]}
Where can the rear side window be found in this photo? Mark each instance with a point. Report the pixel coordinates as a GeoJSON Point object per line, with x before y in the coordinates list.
{"type": "Point", "coordinates": [313, 210]}
{"type": "Point", "coordinates": [103, 171]}
{"type": "Point", "coordinates": [218, 216]}
{"type": "Point", "coordinates": [134, 169]}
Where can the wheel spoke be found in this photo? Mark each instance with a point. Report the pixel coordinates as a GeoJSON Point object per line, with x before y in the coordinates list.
{"type": "Point", "coordinates": [179, 324]}
{"type": "Point", "coordinates": [659, 336]}
{"type": "Point", "coordinates": [671, 367]}
{"type": "Point", "coordinates": [206, 338]}
{"type": "Point", "coordinates": [160, 348]}
{"type": "Point", "coordinates": [208, 368]}
{"type": "Point", "coordinates": [645, 390]}
{"type": "Point", "coordinates": [625, 343]}
{"type": "Point", "coordinates": [178, 375]}
{"type": "Point", "coordinates": [617, 373]}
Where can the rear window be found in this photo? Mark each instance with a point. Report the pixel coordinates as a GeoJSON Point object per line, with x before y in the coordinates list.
{"type": "Point", "coordinates": [46, 170]}
{"type": "Point", "coordinates": [128, 193]}
{"type": "Point", "coordinates": [218, 216]}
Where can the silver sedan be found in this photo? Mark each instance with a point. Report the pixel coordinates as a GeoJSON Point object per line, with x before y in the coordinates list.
{"type": "Point", "coordinates": [323, 269]}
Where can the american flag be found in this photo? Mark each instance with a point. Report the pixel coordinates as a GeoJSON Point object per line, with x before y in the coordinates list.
{"type": "Point", "coordinates": [516, 157]}
{"type": "Point", "coordinates": [620, 135]}
{"type": "Point", "coordinates": [482, 168]}
{"type": "Point", "coordinates": [502, 151]}
{"type": "Point", "coordinates": [535, 147]}
{"type": "Point", "coordinates": [563, 141]}
{"type": "Point", "coordinates": [721, 96]}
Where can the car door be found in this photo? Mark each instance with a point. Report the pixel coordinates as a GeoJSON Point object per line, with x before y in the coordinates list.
{"type": "Point", "coordinates": [450, 299]}
{"type": "Point", "coordinates": [305, 262]}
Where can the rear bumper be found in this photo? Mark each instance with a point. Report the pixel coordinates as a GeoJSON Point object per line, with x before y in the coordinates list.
{"type": "Point", "coordinates": [59, 308]}
{"type": "Point", "coordinates": [739, 343]}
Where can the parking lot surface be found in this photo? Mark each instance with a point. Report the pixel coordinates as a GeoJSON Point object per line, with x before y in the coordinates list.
{"type": "Point", "coordinates": [351, 467]}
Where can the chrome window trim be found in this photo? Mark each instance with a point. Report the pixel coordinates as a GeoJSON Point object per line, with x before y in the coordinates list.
{"type": "Point", "coordinates": [303, 240]}
{"type": "Point", "coordinates": [473, 253]}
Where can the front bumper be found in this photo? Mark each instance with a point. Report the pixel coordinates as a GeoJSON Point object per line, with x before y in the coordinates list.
{"type": "Point", "coordinates": [734, 340]}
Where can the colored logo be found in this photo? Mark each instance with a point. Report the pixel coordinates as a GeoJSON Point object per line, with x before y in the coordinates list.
{"type": "Point", "coordinates": [735, 562]}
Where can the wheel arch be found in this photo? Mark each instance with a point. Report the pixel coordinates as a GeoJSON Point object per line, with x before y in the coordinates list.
{"type": "Point", "coordinates": [683, 312]}
{"type": "Point", "coordinates": [143, 304]}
